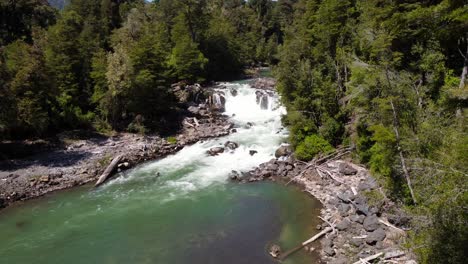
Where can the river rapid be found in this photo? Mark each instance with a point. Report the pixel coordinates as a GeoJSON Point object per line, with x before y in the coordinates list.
{"type": "Point", "coordinates": [180, 209]}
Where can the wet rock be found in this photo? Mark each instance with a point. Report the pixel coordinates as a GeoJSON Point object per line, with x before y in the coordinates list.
{"type": "Point", "coordinates": [371, 223]}
{"type": "Point", "coordinates": [275, 251]}
{"type": "Point", "coordinates": [215, 151]}
{"type": "Point", "coordinates": [249, 125]}
{"type": "Point", "coordinates": [343, 225]}
{"type": "Point", "coordinates": [264, 83]}
{"type": "Point", "coordinates": [234, 92]}
{"type": "Point", "coordinates": [2, 203]}
{"type": "Point", "coordinates": [375, 236]}
{"type": "Point", "coordinates": [234, 175]}
{"type": "Point", "coordinates": [252, 152]}
{"type": "Point", "coordinates": [346, 169]}
{"type": "Point", "coordinates": [231, 145]}
{"type": "Point", "coordinates": [282, 151]}
{"type": "Point", "coordinates": [123, 165]}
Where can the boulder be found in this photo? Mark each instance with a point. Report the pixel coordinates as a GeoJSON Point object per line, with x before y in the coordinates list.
{"type": "Point", "coordinates": [362, 209]}
{"type": "Point", "coordinates": [272, 167]}
{"type": "Point", "coordinates": [357, 218]}
{"type": "Point", "coordinates": [371, 223]}
{"type": "Point", "coordinates": [346, 169]}
{"type": "Point", "coordinates": [231, 145]}
{"type": "Point", "coordinates": [252, 152]}
{"type": "Point", "coordinates": [234, 175]}
{"type": "Point", "coordinates": [233, 92]}
{"type": "Point", "coordinates": [215, 151]}
{"type": "Point", "coordinates": [282, 151]}
{"type": "Point", "coordinates": [275, 251]}
{"type": "Point", "coordinates": [375, 236]}
{"type": "Point", "coordinates": [264, 83]}
{"type": "Point", "coordinates": [343, 225]}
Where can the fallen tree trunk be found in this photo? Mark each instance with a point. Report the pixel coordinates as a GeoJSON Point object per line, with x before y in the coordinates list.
{"type": "Point", "coordinates": [305, 243]}
{"type": "Point", "coordinates": [369, 258]}
{"type": "Point", "coordinates": [109, 170]}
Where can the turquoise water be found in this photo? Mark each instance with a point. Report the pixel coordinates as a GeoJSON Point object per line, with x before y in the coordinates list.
{"type": "Point", "coordinates": [181, 209]}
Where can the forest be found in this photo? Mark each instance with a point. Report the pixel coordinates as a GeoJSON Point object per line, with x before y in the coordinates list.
{"type": "Point", "coordinates": [386, 78]}
{"type": "Point", "coordinates": [100, 64]}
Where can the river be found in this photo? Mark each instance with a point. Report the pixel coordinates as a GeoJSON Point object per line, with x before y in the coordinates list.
{"type": "Point", "coordinates": [180, 209]}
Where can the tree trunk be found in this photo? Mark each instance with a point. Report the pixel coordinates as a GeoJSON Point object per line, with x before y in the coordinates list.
{"type": "Point", "coordinates": [108, 170]}
{"type": "Point", "coordinates": [400, 152]}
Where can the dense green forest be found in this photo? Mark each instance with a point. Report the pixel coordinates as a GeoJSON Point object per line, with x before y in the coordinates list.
{"type": "Point", "coordinates": [387, 78]}
{"type": "Point", "coordinates": [109, 64]}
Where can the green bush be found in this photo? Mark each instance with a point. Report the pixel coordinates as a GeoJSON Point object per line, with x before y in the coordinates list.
{"type": "Point", "coordinates": [312, 146]}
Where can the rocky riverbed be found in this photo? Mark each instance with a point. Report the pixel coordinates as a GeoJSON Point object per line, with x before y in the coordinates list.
{"type": "Point", "coordinates": [365, 224]}
{"type": "Point", "coordinates": [80, 161]}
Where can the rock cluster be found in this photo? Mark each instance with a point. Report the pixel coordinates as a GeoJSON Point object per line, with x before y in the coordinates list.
{"type": "Point", "coordinates": [362, 227]}
{"type": "Point", "coordinates": [264, 83]}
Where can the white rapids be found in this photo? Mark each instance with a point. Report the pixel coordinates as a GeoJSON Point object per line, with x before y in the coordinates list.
{"type": "Point", "coordinates": [191, 169]}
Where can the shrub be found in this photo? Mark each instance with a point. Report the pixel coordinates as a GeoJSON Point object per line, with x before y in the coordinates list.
{"type": "Point", "coordinates": [312, 146]}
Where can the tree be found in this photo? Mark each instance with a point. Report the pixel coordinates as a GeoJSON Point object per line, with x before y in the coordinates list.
{"type": "Point", "coordinates": [186, 59]}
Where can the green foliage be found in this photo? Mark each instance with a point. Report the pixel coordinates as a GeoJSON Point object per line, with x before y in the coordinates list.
{"type": "Point", "coordinates": [312, 146]}
{"type": "Point", "coordinates": [385, 76]}
{"type": "Point", "coordinates": [171, 140]}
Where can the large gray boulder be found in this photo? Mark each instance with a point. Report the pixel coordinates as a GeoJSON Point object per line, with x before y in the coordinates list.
{"type": "Point", "coordinates": [375, 236]}
{"type": "Point", "coordinates": [371, 223]}
{"type": "Point", "coordinates": [283, 151]}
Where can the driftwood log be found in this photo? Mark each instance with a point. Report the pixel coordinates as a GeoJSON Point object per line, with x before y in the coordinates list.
{"type": "Point", "coordinates": [366, 260]}
{"type": "Point", "coordinates": [305, 243]}
{"type": "Point", "coordinates": [109, 170]}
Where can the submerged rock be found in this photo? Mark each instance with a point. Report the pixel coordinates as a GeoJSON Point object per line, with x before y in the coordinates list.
{"type": "Point", "coordinates": [252, 152]}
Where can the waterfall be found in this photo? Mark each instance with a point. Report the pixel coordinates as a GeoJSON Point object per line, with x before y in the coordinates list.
{"type": "Point", "coordinates": [264, 136]}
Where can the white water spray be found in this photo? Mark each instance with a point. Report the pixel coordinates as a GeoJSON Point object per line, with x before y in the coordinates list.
{"type": "Point", "coordinates": [191, 169]}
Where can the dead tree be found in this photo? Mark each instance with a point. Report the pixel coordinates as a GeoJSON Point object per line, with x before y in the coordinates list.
{"type": "Point", "coordinates": [400, 152]}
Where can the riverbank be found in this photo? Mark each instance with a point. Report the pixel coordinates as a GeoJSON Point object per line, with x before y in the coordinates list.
{"type": "Point", "coordinates": [364, 223]}
{"type": "Point", "coordinates": [74, 160]}
{"type": "Point", "coordinates": [82, 160]}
